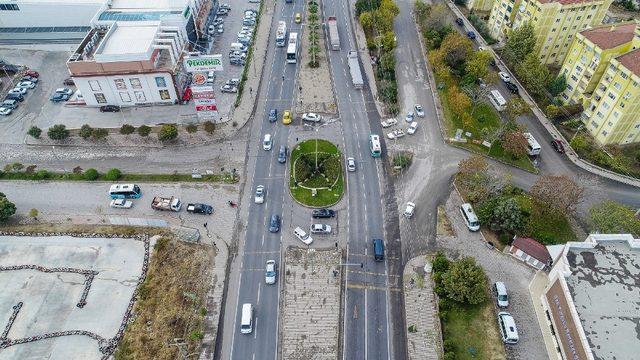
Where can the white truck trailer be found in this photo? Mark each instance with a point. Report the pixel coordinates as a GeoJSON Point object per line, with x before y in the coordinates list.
{"type": "Point", "coordinates": [354, 69]}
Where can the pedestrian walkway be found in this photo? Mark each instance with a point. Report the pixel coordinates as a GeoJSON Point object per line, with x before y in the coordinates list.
{"type": "Point", "coordinates": [536, 289]}
{"type": "Point", "coordinates": [214, 301]}
{"type": "Point", "coordinates": [424, 338]}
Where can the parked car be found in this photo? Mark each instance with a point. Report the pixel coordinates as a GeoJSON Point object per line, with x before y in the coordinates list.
{"type": "Point", "coordinates": [507, 327]}
{"type": "Point", "coordinates": [459, 21]}
{"type": "Point", "coordinates": [311, 117]}
{"type": "Point", "coordinates": [396, 134]}
{"type": "Point", "coordinates": [286, 117]}
{"type": "Point", "coordinates": [408, 211]}
{"type": "Point", "coordinates": [493, 63]}
{"type": "Point", "coordinates": [32, 73]}
{"type": "Point", "coordinates": [10, 104]}
{"type": "Point", "coordinates": [513, 88]}
{"type": "Point", "coordinates": [302, 236]}
{"type": "Point", "coordinates": [419, 110]}
{"type": "Point", "coordinates": [228, 89]}
{"type": "Point", "coordinates": [351, 164]}
{"type": "Point", "coordinates": [65, 91]}
{"type": "Point", "coordinates": [57, 97]}
{"type": "Point", "coordinates": [233, 82]}
{"type": "Point", "coordinates": [389, 122]}
{"type": "Point", "coordinates": [211, 29]}
{"type": "Point", "coordinates": [471, 35]}
{"type": "Point", "coordinates": [260, 193]}
{"type": "Point", "coordinates": [121, 204]}
{"type": "Point", "coordinates": [412, 128]}
{"type": "Point", "coordinates": [109, 108]}
{"type": "Point", "coordinates": [270, 272]}
{"type": "Point", "coordinates": [29, 78]}
{"type": "Point", "coordinates": [222, 12]}
{"type": "Point", "coordinates": [217, 22]}
{"type": "Point", "coordinates": [323, 213]}
{"type": "Point", "coordinates": [504, 76]}
{"type": "Point", "coordinates": [274, 223]}
{"type": "Point", "coordinates": [18, 90]}
{"type": "Point", "coordinates": [409, 117]}
{"type": "Point", "coordinates": [26, 84]}
{"type": "Point", "coordinates": [4, 111]}
{"type": "Point", "coordinates": [14, 96]}
{"type": "Point", "coordinates": [69, 82]}
{"type": "Point", "coordinates": [273, 115]}
{"type": "Point", "coordinates": [198, 208]}
{"type": "Point", "coordinates": [502, 298]}
{"type": "Point", "coordinates": [225, 6]}
{"type": "Point", "coordinates": [320, 229]}
{"type": "Point", "coordinates": [557, 146]}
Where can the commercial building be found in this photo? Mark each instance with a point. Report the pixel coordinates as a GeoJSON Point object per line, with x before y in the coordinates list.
{"type": "Point", "coordinates": [555, 22]}
{"type": "Point", "coordinates": [591, 299]}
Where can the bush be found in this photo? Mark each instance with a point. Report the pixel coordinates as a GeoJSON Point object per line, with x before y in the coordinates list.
{"type": "Point", "coordinates": [191, 128]}
{"type": "Point", "coordinates": [168, 132]}
{"type": "Point", "coordinates": [30, 169]}
{"type": "Point", "coordinates": [127, 129]}
{"type": "Point", "coordinates": [209, 127]}
{"type": "Point", "coordinates": [17, 166]}
{"type": "Point", "coordinates": [58, 132]}
{"type": "Point", "coordinates": [144, 130]}
{"type": "Point", "coordinates": [113, 174]}
{"type": "Point", "coordinates": [35, 132]}
{"type": "Point", "coordinates": [99, 134]}
{"type": "Point", "coordinates": [91, 174]}
{"type": "Point", "coordinates": [41, 175]}
{"type": "Point", "coordinates": [7, 208]}
{"type": "Point", "coordinates": [85, 131]}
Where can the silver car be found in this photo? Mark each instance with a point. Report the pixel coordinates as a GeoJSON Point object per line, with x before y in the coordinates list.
{"type": "Point", "coordinates": [270, 272]}
{"type": "Point", "coordinates": [351, 164]}
{"type": "Point", "coordinates": [320, 229]}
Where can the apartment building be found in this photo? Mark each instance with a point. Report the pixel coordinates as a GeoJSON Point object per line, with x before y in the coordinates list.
{"type": "Point", "coordinates": [556, 22]}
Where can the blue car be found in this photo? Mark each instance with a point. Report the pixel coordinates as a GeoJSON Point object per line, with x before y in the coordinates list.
{"type": "Point", "coordinates": [274, 223]}
{"type": "Point", "coordinates": [273, 115]}
{"type": "Point", "coordinates": [57, 97]}
{"type": "Point", "coordinates": [471, 35]}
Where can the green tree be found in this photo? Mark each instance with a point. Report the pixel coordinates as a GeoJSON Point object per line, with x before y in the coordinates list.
{"type": "Point", "coordinates": [465, 282]}
{"type": "Point", "coordinates": [366, 20]}
{"type": "Point", "coordinates": [366, 5]}
{"type": "Point", "coordinates": [515, 107]}
{"type": "Point", "coordinates": [168, 132]}
{"type": "Point", "coordinates": [390, 6]}
{"type": "Point", "coordinates": [557, 85]}
{"type": "Point", "coordinates": [144, 130]}
{"type": "Point", "coordinates": [456, 50]}
{"type": "Point", "coordinates": [58, 132]}
{"type": "Point", "coordinates": [534, 75]}
{"type": "Point", "coordinates": [521, 42]}
{"type": "Point", "coordinates": [610, 217]}
{"type": "Point", "coordinates": [85, 131]}
{"type": "Point", "coordinates": [476, 67]}
{"type": "Point", "coordinates": [34, 132]}
{"type": "Point", "coordinates": [7, 208]}
{"type": "Point", "coordinates": [99, 134]}
{"type": "Point", "coordinates": [501, 214]}
{"type": "Point", "coordinates": [388, 41]}
{"type": "Point", "coordinates": [473, 178]}
{"type": "Point", "coordinates": [91, 174]}
{"type": "Point", "coordinates": [388, 65]}
{"type": "Point", "coordinates": [33, 213]}
{"type": "Point", "coordinates": [113, 174]}
{"type": "Point", "coordinates": [127, 129]}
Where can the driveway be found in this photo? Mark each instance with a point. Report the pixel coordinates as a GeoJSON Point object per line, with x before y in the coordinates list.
{"type": "Point", "coordinates": [498, 267]}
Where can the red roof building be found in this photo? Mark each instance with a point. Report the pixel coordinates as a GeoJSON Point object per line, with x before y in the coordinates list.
{"type": "Point", "coordinates": [531, 252]}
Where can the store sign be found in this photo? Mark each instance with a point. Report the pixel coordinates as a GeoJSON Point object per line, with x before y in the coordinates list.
{"type": "Point", "coordinates": [203, 63]}
{"type": "Point", "coordinates": [205, 102]}
{"type": "Point", "coordinates": [199, 79]}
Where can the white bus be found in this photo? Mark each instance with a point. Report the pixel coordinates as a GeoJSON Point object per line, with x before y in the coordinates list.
{"type": "Point", "coordinates": [281, 34]}
{"type": "Point", "coordinates": [124, 191]}
{"type": "Point", "coordinates": [497, 100]}
{"type": "Point", "coordinates": [534, 147]}
{"type": "Point", "coordinates": [374, 145]}
{"type": "Point", "coordinates": [292, 49]}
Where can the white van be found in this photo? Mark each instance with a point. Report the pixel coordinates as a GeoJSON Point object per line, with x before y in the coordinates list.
{"type": "Point", "coordinates": [507, 327]}
{"type": "Point", "coordinates": [267, 143]}
{"type": "Point", "coordinates": [534, 147]}
{"type": "Point", "coordinates": [497, 100]}
{"type": "Point", "coordinates": [246, 323]}
{"type": "Point", "coordinates": [470, 217]}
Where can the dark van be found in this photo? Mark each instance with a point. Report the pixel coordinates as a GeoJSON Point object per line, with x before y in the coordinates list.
{"type": "Point", "coordinates": [378, 250]}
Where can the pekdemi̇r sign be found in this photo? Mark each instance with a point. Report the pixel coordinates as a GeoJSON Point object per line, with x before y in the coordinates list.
{"type": "Point", "coordinates": [203, 63]}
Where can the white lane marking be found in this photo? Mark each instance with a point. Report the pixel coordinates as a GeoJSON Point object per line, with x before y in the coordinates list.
{"type": "Point", "coordinates": [235, 316]}
{"type": "Point", "coordinates": [255, 329]}
{"type": "Point", "coordinates": [259, 287]}
{"type": "Point", "coordinates": [366, 327]}
{"type": "Point", "coordinates": [262, 243]}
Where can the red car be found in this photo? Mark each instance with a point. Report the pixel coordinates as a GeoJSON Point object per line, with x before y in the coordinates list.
{"type": "Point", "coordinates": [557, 146]}
{"type": "Point", "coordinates": [187, 94]}
{"type": "Point", "coordinates": [32, 73]}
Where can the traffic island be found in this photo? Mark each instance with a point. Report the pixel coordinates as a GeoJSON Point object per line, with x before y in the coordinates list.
{"type": "Point", "coordinates": [316, 177]}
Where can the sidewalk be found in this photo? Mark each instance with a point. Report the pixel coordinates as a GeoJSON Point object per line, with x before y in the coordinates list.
{"type": "Point", "coordinates": [571, 154]}
{"type": "Point", "coordinates": [536, 289]}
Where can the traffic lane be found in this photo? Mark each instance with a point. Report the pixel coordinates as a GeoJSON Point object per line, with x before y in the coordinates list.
{"type": "Point", "coordinates": [245, 344]}
{"type": "Point", "coordinates": [354, 328]}
{"type": "Point", "coordinates": [377, 324]}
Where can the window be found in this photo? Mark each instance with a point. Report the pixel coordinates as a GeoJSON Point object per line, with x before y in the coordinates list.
{"type": "Point", "coordinates": [578, 68]}
{"type": "Point", "coordinates": [9, 7]}
{"type": "Point", "coordinates": [553, 30]}
{"type": "Point", "coordinates": [161, 82]}
{"type": "Point", "coordinates": [554, 54]}
{"type": "Point", "coordinates": [557, 46]}
{"type": "Point", "coordinates": [574, 78]}
{"type": "Point", "coordinates": [611, 95]}
{"type": "Point", "coordinates": [635, 84]}
{"type": "Point", "coordinates": [622, 105]}
{"type": "Point", "coordinates": [588, 17]}
{"type": "Point", "coordinates": [564, 96]}
{"type": "Point", "coordinates": [593, 7]}
{"type": "Point", "coordinates": [120, 84]}
{"type": "Point", "coordinates": [600, 115]}
{"type": "Point", "coordinates": [617, 85]}
{"type": "Point", "coordinates": [616, 114]}
{"type": "Point", "coordinates": [164, 94]}
{"type": "Point", "coordinates": [140, 96]}
{"type": "Point", "coordinates": [135, 83]}
{"type": "Point", "coordinates": [564, 28]}
{"type": "Point", "coordinates": [569, 86]}
{"type": "Point", "coordinates": [606, 105]}
{"type": "Point", "coordinates": [125, 97]}
{"type": "Point", "coordinates": [609, 124]}
{"type": "Point", "coordinates": [557, 20]}
{"type": "Point", "coordinates": [612, 67]}
{"type": "Point", "coordinates": [623, 75]}
{"type": "Point", "coordinates": [627, 96]}
{"type": "Point", "coordinates": [637, 126]}
{"type": "Point", "coordinates": [94, 85]}
{"type": "Point", "coordinates": [100, 98]}
{"type": "Point", "coordinates": [604, 133]}
{"type": "Point", "coordinates": [578, 18]}
{"type": "Point", "coordinates": [594, 124]}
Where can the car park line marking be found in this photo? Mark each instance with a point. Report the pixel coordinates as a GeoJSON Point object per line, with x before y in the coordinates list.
{"type": "Point", "coordinates": [262, 242]}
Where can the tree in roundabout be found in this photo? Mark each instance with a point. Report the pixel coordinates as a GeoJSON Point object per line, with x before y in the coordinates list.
{"type": "Point", "coordinates": [316, 176]}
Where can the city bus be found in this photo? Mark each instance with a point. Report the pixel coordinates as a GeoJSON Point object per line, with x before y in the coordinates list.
{"type": "Point", "coordinates": [292, 49]}
{"type": "Point", "coordinates": [374, 145]}
{"type": "Point", "coordinates": [125, 191]}
{"type": "Point", "coordinates": [497, 100]}
{"type": "Point", "coordinates": [281, 34]}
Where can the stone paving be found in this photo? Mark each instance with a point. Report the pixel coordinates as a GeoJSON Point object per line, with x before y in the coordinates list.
{"type": "Point", "coordinates": [310, 307]}
{"type": "Point", "coordinates": [424, 339]}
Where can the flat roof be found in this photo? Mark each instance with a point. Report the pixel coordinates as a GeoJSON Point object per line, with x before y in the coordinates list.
{"type": "Point", "coordinates": [604, 287]}
{"type": "Point", "coordinates": [62, 2]}
{"type": "Point", "coordinates": [148, 4]}
{"type": "Point", "coordinates": [129, 39]}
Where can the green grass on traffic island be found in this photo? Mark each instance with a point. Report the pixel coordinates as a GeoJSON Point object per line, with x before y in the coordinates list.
{"type": "Point", "coordinates": [316, 165]}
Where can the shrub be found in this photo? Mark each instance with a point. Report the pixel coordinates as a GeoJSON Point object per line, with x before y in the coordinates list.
{"type": "Point", "coordinates": [58, 132]}
{"type": "Point", "coordinates": [33, 213]}
{"type": "Point", "coordinates": [209, 127]}
{"type": "Point", "coordinates": [91, 174]}
{"type": "Point", "coordinates": [99, 134]}
{"type": "Point", "coordinates": [85, 131]}
{"type": "Point", "coordinates": [30, 169]}
{"type": "Point", "coordinates": [35, 132]}
{"type": "Point", "coordinates": [191, 128]}
{"type": "Point", "coordinates": [113, 174]}
{"type": "Point", "coordinates": [168, 132]}
{"type": "Point", "coordinates": [127, 129]}
{"type": "Point", "coordinates": [17, 166]}
{"type": "Point", "coordinates": [144, 130]}
{"type": "Point", "coordinates": [77, 170]}
{"type": "Point", "coordinates": [7, 208]}
{"type": "Point", "coordinates": [41, 175]}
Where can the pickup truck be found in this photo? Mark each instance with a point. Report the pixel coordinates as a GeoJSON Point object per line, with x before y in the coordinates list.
{"type": "Point", "coordinates": [396, 134]}
{"type": "Point", "coordinates": [166, 204]}
{"type": "Point", "coordinates": [198, 208]}
{"type": "Point", "coordinates": [389, 122]}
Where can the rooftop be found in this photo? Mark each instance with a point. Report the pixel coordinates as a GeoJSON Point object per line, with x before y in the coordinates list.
{"type": "Point", "coordinates": [129, 40]}
{"type": "Point", "coordinates": [610, 36]}
{"type": "Point", "coordinates": [631, 61]}
{"type": "Point", "coordinates": [566, 2]}
{"type": "Point", "coordinates": [148, 4]}
{"type": "Point", "coordinates": [605, 287]}
{"type": "Point", "coordinates": [533, 248]}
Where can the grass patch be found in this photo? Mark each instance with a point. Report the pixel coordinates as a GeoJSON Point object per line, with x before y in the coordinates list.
{"type": "Point", "coordinates": [84, 229]}
{"type": "Point", "coordinates": [58, 176]}
{"type": "Point", "coordinates": [170, 302]}
{"type": "Point", "coordinates": [329, 173]}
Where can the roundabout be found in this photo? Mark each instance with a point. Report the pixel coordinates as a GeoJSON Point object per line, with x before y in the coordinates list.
{"type": "Point", "coordinates": [316, 178]}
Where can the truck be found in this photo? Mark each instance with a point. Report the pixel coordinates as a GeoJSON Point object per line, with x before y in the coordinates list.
{"type": "Point", "coordinates": [333, 33]}
{"type": "Point", "coordinates": [198, 208]}
{"type": "Point", "coordinates": [281, 34]}
{"type": "Point", "coordinates": [166, 204]}
{"type": "Point", "coordinates": [354, 69]}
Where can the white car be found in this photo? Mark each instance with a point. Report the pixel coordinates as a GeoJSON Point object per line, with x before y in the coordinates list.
{"type": "Point", "coordinates": [18, 90]}
{"type": "Point", "coordinates": [65, 91]}
{"type": "Point", "coordinates": [481, 48]}
{"type": "Point", "coordinates": [396, 134]}
{"type": "Point", "coordinates": [259, 198]}
{"type": "Point", "coordinates": [311, 117]}
{"type": "Point", "coordinates": [412, 128]}
{"type": "Point", "coordinates": [351, 164]}
{"type": "Point", "coordinates": [409, 117]}
{"type": "Point", "coordinates": [121, 204]}
{"type": "Point", "coordinates": [302, 236]}
{"type": "Point", "coordinates": [408, 211]}
{"type": "Point", "coordinates": [220, 29]}
{"type": "Point", "coordinates": [26, 84]}
{"type": "Point", "coordinates": [4, 111]}
{"type": "Point", "coordinates": [245, 34]}
{"type": "Point", "coordinates": [270, 272]}
{"type": "Point", "coordinates": [419, 110]}
{"type": "Point", "coordinates": [320, 229]}
{"type": "Point", "coordinates": [228, 89]}
{"type": "Point", "coordinates": [504, 76]}
{"type": "Point", "coordinates": [389, 122]}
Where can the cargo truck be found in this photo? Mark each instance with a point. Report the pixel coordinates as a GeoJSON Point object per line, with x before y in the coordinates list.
{"type": "Point", "coordinates": [354, 69]}
{"type": "Point", "coordinates": [333, 33]}
{"type": "Point", "coordinates": [166, 204]}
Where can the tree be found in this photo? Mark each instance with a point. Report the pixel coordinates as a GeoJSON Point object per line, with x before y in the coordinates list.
{"type": "Point", "coordinates": [366, 5]}
{"type": "Point", "coordinates": [476, 67]}
{"type": "Point", "coordinates": [521, 42]}
{"type": "Point", "coordinates": [99, 134]}
{"type": "Point", "coordinates": [515, 143]}
{"type": "Point", "coordinates": [465, 282]}
{"type": "Point", "coordinates": [91, 174]}
{"type": "Point", "coordinates": [366, 20]}
{"type": "Point", "coordinates": [610, 217]}
{"type": "Point", "coordinates": [437, 18]}
{"type": "Point", "coordinates": [127, 129]}
{"type": "Point", "coordinates": [34, 132]}
{"type": "Point", "coordinates": [456, 50]}
{"type": "Point", "coordinates": [473, 178]}
{"type": "Point", "coordinates": [556, 194]}
{"type": "Point", "coordinates": [501, 214]}
{"type": "Point", "coordinates": [144, 130]}
{"type": "Point", "coordinates": [34, 214]}
{"type": "Point", "coordinates": [388, 41]}
{"type": "Point", "coordinates": [7, 208]}
{"type": "Point", "coordinates": [533, 74]}
{"type": "Point", "coordinates": [390, 6]}
{"type": "Point", "coordinates": [85, 131]}
{"type": "Point", "coordinates": [209, 127]}
{"type": "Point", "coordinates": [113, 174]}
{"type": "Point", "coordinates": [515, 107]}
{"type": "Point", "coordinates": [458, 101]}
{"type": "Point", "coordinates": [168, 132]}
{"type": "Point", "coordinates": [191, 128]}
{"type": "Point", "coordinates": [58, 132]}
{"type": "Point", "coordinates": [557, 85]}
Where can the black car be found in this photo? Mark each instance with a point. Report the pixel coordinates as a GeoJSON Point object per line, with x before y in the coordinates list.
{"type": "Point", "coordinates": [69, 82]}
{"type": "Point", "coordinates": [198, 208]}
{"type": "Point", "coordinates": [18, 97]}
{"type": "Point", "coordinates": [274, 223]}
{"type": "Point", "coordinates": [109, 108]}
{"type": "Point", "coordinates": [459, 21]}
{"type": "Point", "coordinates": [513, 88]}
{"type": "Point", "coordinates": [323, 213]}
{"type": "Point", "coordinates": [493, 63]}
